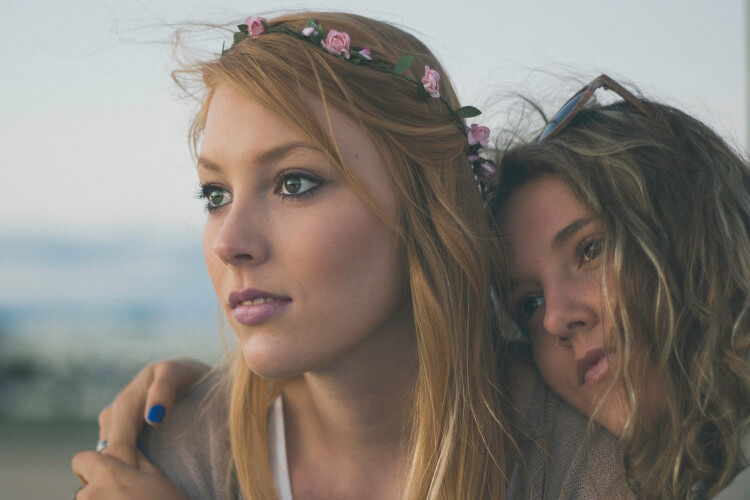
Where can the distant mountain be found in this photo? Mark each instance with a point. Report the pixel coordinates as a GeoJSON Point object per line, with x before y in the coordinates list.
{"type": "Point", "coordinates": [132, 275]}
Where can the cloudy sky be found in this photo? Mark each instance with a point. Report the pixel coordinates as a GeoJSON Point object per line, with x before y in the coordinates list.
{"type": "Point", "coordinates": [92, 131]}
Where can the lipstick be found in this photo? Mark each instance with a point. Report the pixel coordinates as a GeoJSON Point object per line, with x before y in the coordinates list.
{"type": "Point", "coordinates": [251, 306]}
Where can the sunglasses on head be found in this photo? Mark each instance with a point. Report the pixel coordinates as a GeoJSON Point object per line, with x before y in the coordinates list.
{"type": "Point", "coordinates": [576, 103]}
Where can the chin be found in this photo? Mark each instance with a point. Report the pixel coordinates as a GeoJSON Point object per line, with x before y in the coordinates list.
{"type": "Point", "coordinates": [613, 413]}
{"type": "Point", "coordinates": [272, 361]}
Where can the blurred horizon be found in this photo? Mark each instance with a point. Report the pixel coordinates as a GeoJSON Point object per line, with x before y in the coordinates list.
{"type": "Point", "coordinates": [83, 315]}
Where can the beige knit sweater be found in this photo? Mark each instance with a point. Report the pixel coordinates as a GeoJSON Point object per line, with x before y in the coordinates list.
{"type": "Point", "coordinates": [563, 456]}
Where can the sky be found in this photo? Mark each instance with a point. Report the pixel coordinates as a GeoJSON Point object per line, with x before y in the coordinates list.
{"type": "Point", "coordinates": [93, 131]}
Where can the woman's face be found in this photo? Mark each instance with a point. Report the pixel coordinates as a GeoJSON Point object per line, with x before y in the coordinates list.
{"type": "Point", "coordinates": [555, 245]}
{"type": "Point", "coordinates": [304, 271]}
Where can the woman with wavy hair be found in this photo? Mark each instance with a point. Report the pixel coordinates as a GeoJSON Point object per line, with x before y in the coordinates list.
{"type": "Point", "coordinates": [352, 256]}
{"type": "Point", "coordinates": [627, 231]}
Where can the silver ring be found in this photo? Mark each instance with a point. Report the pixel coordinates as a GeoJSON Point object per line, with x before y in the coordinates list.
{"type": "Point", "coordinates": [101, 445]}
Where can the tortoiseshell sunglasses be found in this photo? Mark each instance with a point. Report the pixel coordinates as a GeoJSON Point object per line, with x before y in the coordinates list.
{"type": "Point", "coordinates": [576, 103]}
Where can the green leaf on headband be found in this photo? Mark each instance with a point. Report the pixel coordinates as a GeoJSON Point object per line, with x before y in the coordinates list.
{"type": "Point", "coordinates": [468, 112]}
{"type": "Point", "coordinates": [422, 94]}
{"type": "Point", "coordinates": [238, 37]}
{"type": "Point", "coordinates": [242, 28]}
{"type": "Point", "coordinates": [403, 64]}
{"type": "Point", "coordinates": [311, 23]}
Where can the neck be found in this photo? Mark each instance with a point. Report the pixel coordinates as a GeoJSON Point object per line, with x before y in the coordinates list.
{"type": "Point", "coordinates": [355, 413]}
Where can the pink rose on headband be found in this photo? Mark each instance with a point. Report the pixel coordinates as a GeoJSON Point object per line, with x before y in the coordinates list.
{"type": "Point", "coordinates": [478, 135]}
{"type": "Point", "coordinates": [255, 25]}
{"type": "Point", "coordinates": [488, 169]}
{"type": "Point", "coordinates": [431, 82]}
{"type": "Point", "coordinates": [337, 42]}
{"type": "Point", "coordinates": [366, 54]}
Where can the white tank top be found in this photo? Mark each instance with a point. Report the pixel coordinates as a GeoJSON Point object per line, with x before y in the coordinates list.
{"type": "Point", "coordinates": [277, 450]}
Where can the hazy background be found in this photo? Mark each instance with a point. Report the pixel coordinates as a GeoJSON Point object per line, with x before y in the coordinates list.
{"type": "Point", "coordinates": [100, 261]}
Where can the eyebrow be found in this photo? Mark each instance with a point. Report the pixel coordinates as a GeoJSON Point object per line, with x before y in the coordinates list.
{"type": "Point", "coordinates": [568, 231]}
{"type": "Point", "coordinates": [560, 238]}
{"type": "Point", "coordinates": [270, 156]}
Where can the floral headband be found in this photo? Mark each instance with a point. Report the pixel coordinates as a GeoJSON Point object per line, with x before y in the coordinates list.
{"type": "Point", "coordinates": [339, 44]}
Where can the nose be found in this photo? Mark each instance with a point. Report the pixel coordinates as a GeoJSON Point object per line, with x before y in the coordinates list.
{"type": "Point", "coordinates": [240, 237]}
{"type": "Point", "coordinates": [570, 308]}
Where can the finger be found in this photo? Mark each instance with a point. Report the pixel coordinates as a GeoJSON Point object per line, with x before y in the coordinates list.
{"type": "Point", "coordinates": [87, 465]}
{"type": "Point", "coordinates": [95, 471]}
{"type": "Point", "coordinates": [160, 400]}
{"type": "Point", "coordinates": [104, 420]}
{"type": "Point", "coordinates": [171, 377]}
{"type": "Point", "coordinates": [125, 419]}
{"type": "Point", "coordinates": [78, 492]}
{"type": "Point", "coordinates": [106, 415]}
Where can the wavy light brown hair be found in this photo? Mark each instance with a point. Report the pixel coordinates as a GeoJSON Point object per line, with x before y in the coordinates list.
{"type": "Point", "coordinates": [459, 444]}
{"type": "Point", "coordinates": [674, 199]}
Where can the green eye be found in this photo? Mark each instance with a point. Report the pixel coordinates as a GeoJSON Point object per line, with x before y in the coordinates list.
{"type": "Point", "coordinates": [295, 184]}
{"type": "Point", "coordinates": [215, 196]}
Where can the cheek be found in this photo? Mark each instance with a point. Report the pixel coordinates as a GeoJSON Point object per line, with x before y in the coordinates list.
{"type": "Point", "coordinates": [214, 265]}
{"type": "Point", "coordinates": [551, 361]}
{"type": "Point", "coordinates": [344, 259]}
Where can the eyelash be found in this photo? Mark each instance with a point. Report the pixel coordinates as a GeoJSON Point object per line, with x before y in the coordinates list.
{"type": "Point", "coordinates": [204, 190]}
{"type": "Point", "coordinates": [203, 193]}
{"type": "Point", "coordinates": [584, 245]}
{"type": "Point", "coordinates": [291, 174]}
{"type": "Point", "coordinates": [521, 317]}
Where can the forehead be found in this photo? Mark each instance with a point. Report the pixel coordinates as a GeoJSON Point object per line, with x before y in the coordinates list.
{"type": "Point", "coordinates": [238, 126]}
{"type": "Point", "coordinates": [238, 129]}
{"type": "Point", "coordinates": [536, 212]}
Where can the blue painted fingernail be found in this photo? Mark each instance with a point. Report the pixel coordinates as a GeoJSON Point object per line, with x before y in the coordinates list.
{"type": "Point", "coordinates": [156, 414]}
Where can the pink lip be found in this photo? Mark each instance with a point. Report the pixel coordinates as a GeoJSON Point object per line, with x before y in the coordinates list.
{"type": "Point", "coordinates": [255, 313]}
{"type": "Point", "coordinates": [592, 367]}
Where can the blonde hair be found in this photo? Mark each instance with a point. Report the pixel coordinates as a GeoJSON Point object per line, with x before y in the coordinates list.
{"type": "Point", "coordinates": [675, 203]}
{"type": "Point", "coordinates": [459, 442]}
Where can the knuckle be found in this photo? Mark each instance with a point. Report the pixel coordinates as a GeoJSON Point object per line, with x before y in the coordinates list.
{"type": "Point", "coordinates": [162, 369]}
{"type": "Point", "coordinates": [163, 387]}
{"type": "Point", "coordinates": [87, 493]}
{"type": "Point", "coordinates": [78, 458]}
{"type": "Point", "coordinates": [107, 470]}
{"type": "Point", "coordinates": [115, 449]}
{"type": "Point", "coordinates": [121, 451]}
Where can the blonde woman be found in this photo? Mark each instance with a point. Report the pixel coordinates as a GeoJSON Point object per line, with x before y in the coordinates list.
{"type": "Point", "coordinates": [350, 252]}
{"type": "Point", "coordinates": [628, 239]}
